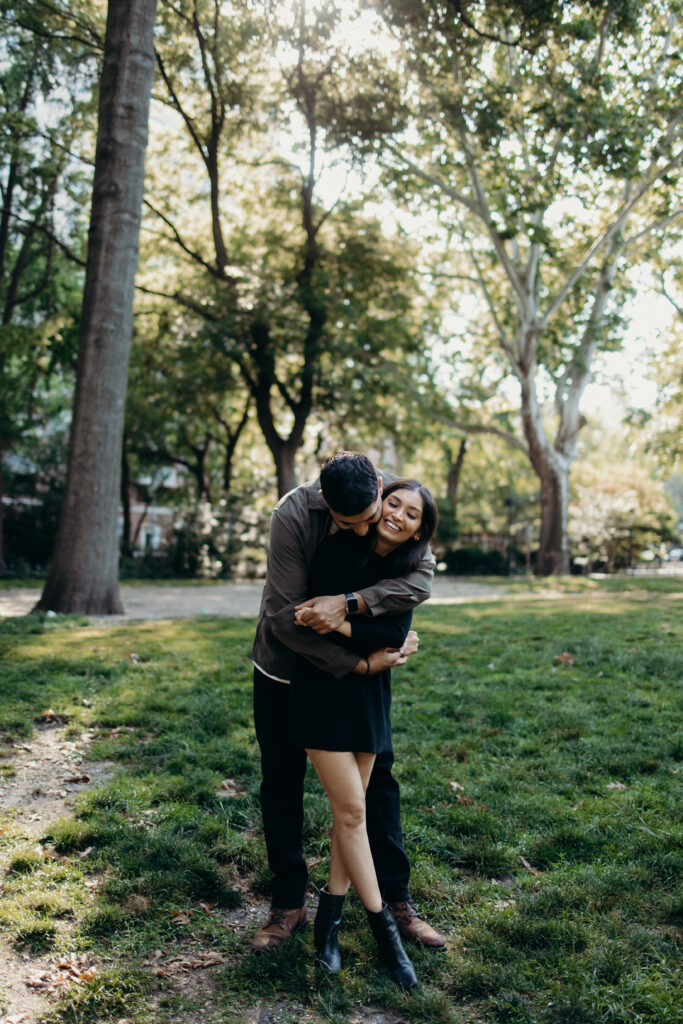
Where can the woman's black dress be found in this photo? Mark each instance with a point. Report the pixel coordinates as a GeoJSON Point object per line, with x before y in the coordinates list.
{"type": "Point", "coordinates": [351, 713]}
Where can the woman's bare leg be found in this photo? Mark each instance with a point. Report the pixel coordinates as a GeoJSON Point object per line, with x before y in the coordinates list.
{"type": "Point", "coordinates": [339, 879]}
{"type": "Point", "coordinates": [344, 776]}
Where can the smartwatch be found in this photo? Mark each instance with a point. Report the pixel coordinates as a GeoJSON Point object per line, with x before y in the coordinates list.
{"type": "Point", "coordinates": [351, 604]}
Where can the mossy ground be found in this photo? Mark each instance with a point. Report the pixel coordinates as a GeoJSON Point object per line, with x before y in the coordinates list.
{"type": "Point", "coordinates": [539, 752]}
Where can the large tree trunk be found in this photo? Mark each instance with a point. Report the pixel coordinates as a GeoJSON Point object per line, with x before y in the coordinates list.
{"type": "Point", "coordinates": [83, 575]}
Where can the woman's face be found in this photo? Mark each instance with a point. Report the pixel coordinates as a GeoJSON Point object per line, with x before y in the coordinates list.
{"type": "Point", "coordinates": [401, 517]}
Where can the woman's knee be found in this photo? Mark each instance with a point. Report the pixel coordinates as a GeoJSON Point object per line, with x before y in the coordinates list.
{"type": "Point", "coordinates": [349, 814]}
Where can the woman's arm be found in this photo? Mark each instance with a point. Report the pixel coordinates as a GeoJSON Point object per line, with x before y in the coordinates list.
{"type": "Point", "coordinates": [383, 631]}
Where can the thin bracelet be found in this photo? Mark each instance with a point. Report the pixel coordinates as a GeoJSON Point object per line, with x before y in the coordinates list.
{"type": "Point", "coordinates": [367, 662]}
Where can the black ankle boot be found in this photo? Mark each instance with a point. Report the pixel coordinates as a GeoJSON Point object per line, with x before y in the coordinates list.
{"type": "Point", "coordinates": [391, 949]}
{"type": "Point", "coordinates": [327, 921]}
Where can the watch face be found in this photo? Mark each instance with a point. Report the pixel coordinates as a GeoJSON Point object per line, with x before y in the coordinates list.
{"type": "Point", "coordinates": [351, 604]}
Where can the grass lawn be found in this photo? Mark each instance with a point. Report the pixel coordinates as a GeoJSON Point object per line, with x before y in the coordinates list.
{"type": "Point", "coordinates": [539, 748]}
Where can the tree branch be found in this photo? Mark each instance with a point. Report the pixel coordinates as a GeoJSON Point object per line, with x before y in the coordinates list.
{"type": "Point", "coordinates": [209, 267]}
{"type": "Point", "coordinates": [439, 183]}
{"type": "Point", "coordinates": [175, 102]}
{"type": "Point", "coordinates": [664, 222]}
{"type": "Point", "coordinates": [614, 227]}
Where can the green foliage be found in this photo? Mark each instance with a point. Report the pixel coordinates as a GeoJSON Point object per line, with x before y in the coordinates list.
{"type": "Point", "coordinates": [47, 68]}
{"type": "Point", "coordinates": [473, 561]}
{"type": "Point", "coordinates": [293, 294]}
{"type": "Point", "coordinates": [546, 141]}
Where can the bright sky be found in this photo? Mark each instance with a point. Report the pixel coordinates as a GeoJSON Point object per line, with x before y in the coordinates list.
{"type": "Point", "coordinates": [621, 378]}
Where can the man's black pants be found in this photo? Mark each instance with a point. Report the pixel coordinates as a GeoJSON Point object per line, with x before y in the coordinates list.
{"type": "Point", "coordinates": [283, 766]}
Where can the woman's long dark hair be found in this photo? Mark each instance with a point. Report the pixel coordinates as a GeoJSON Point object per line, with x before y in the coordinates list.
{"type": "Point", "coordinates": [409, 555]}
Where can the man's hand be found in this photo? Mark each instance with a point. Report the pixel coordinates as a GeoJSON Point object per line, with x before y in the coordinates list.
{"type": "Point", "coordinates": [323, 614]}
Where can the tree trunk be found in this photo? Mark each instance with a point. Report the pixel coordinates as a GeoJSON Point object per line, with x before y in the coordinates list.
{"type": "Point", "coordinates": [552, 469]}
{"type": "Point", "coordinates": [2, 519]}
{"type": "Point", "coordinates": [83, 575]}
{"type": "Point", "coordinates": [126, 545]}
{"type": "Point", "coordinates": [553, 550]}
{"type": "Point", "coordinates": [455, 472]}
{"type": "Point", "coordinates": [284, 466]}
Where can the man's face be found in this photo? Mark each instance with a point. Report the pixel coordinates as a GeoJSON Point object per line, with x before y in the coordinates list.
{"type": "Point", "coordinates": [361, 523]}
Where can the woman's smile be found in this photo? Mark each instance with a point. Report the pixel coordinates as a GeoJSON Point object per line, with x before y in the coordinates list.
{"type": "Point", "coordinates": [401, 519]}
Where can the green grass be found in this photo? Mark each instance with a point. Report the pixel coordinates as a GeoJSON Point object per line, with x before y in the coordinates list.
{"type": "Point", "coordinates": [540, 755]}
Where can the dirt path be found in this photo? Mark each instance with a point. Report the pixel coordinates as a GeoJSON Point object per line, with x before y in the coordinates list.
{"type": "Point", "coordinates": [232, 600]}
{"type": "Point", "coordinates": [49, 772]}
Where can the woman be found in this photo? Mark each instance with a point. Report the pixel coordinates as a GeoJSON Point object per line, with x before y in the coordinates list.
{"type": "Point", "coordinates": [344, 723]}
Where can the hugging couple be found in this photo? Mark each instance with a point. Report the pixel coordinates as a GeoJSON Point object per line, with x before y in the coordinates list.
{"type": "Point", "coordinates": [348, 559]}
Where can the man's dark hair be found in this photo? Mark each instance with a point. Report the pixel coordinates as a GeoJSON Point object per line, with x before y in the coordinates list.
{"type": "Point", "coordinates": [349, 483]}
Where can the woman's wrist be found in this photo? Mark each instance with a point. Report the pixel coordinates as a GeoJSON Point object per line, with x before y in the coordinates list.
{"type": "Point", "coordinates": [367, 666]}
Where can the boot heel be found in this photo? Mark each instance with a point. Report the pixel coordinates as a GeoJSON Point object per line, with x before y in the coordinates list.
{"type": "Point", "coordinates": [325, 927]}
{"type": "Point", "coordinates": [390, 947]}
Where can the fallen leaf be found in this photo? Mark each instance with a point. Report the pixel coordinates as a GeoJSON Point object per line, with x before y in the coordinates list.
{"type": "Point", "coordinates": [37, 980]}
{"type": "Point", "coordinates": [617, 785]}
{"type": "Point", "coordinates": [564, 659]}
{"type": "Point", "coordinates": [455, 786]}
{"type": "Point", "coordinates": [229, 789]}
{"type": "Point", "coordinates": [195, 963]}
{"type": "Point", "coordinates": [529, 867]}
{"type": "Point", "coordinates": [208, 907]}
{"type": "Point", "coordinates": [180, 918]}
{"type": "Point", "coordinates": [77, 779]}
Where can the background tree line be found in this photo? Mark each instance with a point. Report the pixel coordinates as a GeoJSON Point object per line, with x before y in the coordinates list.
{"type": "Point", "coordinates": [411, 229]}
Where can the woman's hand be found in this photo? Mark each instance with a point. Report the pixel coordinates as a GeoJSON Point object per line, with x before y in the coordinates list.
{"type": "Point", "coordinates": [389, 657]}
{"type": "Point", "coordinates": [411, 643]}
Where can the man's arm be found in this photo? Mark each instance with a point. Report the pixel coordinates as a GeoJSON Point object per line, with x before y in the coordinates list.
{"type": "Point", "coordinates": [286, 575]}
{"type": "Point", "coordinates": [383, 648]}
{"type": "Point", "coordinates": [325, 614]}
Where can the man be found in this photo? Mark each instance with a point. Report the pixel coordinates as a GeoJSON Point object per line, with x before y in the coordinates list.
{"type": "Point", "coordinates": [347, 497]}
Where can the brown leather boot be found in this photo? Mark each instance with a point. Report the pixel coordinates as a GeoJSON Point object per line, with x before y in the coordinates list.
{"type": "Point", "coordinates": [279, 926]}
{"type": "Point", "coordinates": [412, 925]}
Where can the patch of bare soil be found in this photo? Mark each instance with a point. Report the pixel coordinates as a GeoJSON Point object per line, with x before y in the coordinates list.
{"type": "Point", "coordinates": [49, 771]}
